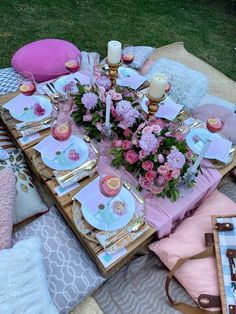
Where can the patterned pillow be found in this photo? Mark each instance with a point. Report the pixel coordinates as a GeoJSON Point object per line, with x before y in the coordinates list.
{"type": "Point", "coordinates": [70, 273]}
{"type": "Point", "coordinates": [141, 54]}
{"type": "Point", "coordinates": [7, 206]}
{"type": "Point", "coordinates": [8, 81]}
{"type": "Point", "coordinates": [28, 200]}
{"type": "Point", "coordinates": [5, 141]}
{"type": "Point", "coordinates": [23, 284]}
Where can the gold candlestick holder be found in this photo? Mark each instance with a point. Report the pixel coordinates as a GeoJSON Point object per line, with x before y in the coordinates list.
{"type": "Point", "coordinates": [154, 105]}
{"type": "Point", "coordinates": [113, 71]}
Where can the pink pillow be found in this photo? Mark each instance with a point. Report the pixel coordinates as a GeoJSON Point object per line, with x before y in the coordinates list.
{"type": "Point", "coordinates": [228, 116]}
{"type": "Point", "coordinates": [7, 206]}
{"type": "Point", "coordinates": [44, 58]}
{"type": "Point", "coordinates": [199, 276]}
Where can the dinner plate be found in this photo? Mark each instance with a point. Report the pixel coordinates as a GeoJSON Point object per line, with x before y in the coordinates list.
{"type": "Point", "coordinates": [27, 113]}
{"type": "Point", "coordinates": [97, 220]}
{"type": "Point", "coordinates": [197, 146]}
{"type": "Point", "coordinates": [62, 162]}
{"type": "Point", "coordinates": [62, 82]}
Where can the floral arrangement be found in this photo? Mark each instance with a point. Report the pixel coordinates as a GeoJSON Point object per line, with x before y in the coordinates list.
{"type": "Point", "coordinates": [91, 105]}
{"type": "Point", "coordinates": [157, 154]}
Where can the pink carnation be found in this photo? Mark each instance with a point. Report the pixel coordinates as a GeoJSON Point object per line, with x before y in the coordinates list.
{"type": "Point", "coordinates": [38, 109]}
{"type": "Point", "coordinates": [87, 117]}
{"type": "Point", "coordinates": [127, 145]}
{"type": "Point", "coordinates": [116, 96]}
{"type": "Point", "coordinates": [131, 156]}
{"type": "Point", "coordinates": [147, 165]}
{"type": "Point", "coordinates": [175, 173]}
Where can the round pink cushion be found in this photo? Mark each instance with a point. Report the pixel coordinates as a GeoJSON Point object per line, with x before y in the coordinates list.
{"type": "Point", "coordinates": [44, 58]}
{"type": "Point", "coordinates": [226, 115]}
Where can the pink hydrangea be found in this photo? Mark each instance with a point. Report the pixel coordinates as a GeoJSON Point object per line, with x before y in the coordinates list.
{"type": "Point", "coordinates": [176, 159]}
{"type": "Point", "coordinates": [148, 143]}
{"type": "Point", "coordinates": [147, 165]}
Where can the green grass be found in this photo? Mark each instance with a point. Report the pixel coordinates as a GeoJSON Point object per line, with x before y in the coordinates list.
{"type": "Point", "coordinates": [208, 28]}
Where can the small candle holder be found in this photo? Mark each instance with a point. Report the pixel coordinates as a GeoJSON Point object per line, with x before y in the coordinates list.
{"type": "Point", "coordinates": [107, 139]}
{"type": "Point", "coordinates": [113, 71]}
{"type": "Point", "coordinates": [154, 105]}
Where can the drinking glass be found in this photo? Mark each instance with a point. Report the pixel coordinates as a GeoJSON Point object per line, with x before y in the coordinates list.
{"type": "Point", "coordinates": [93, 64]}
{"type": "Point", "coordinates": [27, 84]}
{"type": "Point", "coordinates": [72, 63]}
{"type": "Point", "coordinates": [127, 55]}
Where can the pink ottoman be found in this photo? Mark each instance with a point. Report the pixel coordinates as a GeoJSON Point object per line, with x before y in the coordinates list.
{"type": "Point", "coordinates": [44, 58]}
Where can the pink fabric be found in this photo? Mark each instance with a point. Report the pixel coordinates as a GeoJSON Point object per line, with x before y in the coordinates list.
{"type": "Point", "coordinates": [44, 58]}
{"type": "Point", "coordinates": [7, 206]}
{"type": "Point", "coordinates": [199, 276]}
{"type": "Point", "coordinates": [146, 67]}
{"type": "Point", "coordinates": [226, 115]}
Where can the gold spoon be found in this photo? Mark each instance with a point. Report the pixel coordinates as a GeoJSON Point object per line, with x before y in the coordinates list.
{"type": "Point", "coordinates": [88, 140]}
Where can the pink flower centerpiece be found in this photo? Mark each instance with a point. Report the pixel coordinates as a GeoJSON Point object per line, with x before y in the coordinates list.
{"type": "Point", "coordinates": [155, 155]}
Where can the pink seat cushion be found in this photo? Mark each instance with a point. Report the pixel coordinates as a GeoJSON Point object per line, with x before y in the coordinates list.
{"type": "Point", "coordinates": [44, 58]}
{"type": "Point", "coordinates": [226, 115]}
{"type": "Point", "coordinates": [199, 276]}
{"type": "Point", "coordinates": [7, 206]}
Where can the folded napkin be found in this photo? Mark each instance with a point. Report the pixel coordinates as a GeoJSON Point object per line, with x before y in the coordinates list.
{"type": "Point", "coordinates": [31, 130]}
{"type": "Point", "coordinates": [141, 54]}
{"type": "Point", "coordinates": [102, 236]}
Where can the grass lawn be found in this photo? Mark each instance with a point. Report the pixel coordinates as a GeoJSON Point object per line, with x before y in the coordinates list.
{"type": "Point", "coordinates": [208, 28]}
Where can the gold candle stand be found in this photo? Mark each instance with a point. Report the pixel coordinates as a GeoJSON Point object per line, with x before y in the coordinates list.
{"type": "Point", "coordinates": [154, 105]}
{"type": "Point", "coordinates": [113, 72]}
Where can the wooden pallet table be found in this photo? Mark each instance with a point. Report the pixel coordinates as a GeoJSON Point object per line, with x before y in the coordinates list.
{"type": "Point", "coordinates": [65, 202]}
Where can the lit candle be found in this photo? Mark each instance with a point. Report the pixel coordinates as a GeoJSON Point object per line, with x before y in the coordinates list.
{"type": "Point", "coordinates": [108, 110]}
{"type": "Point", "coordinates": [114, 52]}
{"type": "Point", "coordinates": [91, 67]}
{"type": "Point", "coordinates": [158, 85]}
{"type": "Point", "coordinates": [193, 169]}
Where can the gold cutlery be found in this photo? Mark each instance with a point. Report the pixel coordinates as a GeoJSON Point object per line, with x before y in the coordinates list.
{"type": "Point", "coordinates": [133, 191]}
{"type": "Point", "coordinates": [134, 229]}
{"type": "Point", "coordinates": [35, 124]}
{"type": "Point", "coordinates": [50, 88]}
{"type": "Point", "coordinates": [88, 165]}
{"type": "Point", "coordinates": [87, 139]}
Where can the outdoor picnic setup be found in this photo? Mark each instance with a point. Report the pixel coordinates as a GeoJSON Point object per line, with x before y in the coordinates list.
{"type": "Point", "coordinates": [108, 167]}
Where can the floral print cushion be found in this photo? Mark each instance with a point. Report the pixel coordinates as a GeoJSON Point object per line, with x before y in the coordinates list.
{"type": "Point", "coordinates": [28, 200]}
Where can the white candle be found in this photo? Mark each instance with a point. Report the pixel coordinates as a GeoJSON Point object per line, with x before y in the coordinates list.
{"type": "Point", "coordinates": [158, 85]}
{"type": "Point", "coordinates": [114, 52]}
{"type": "Point", "coordinates": [108, 110]}
{"type": "Point", "coordinates": [194, 167]}
{"type": "Point", "coordinates": [91, 67]}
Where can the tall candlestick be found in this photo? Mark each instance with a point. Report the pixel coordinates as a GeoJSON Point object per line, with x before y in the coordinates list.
{"type": "Point", "coordinates": [114, 52]}
{"type": "Point", "coordinates": [158, 85]}
{"type": "Point", "coordinates": [91, 67]}
{"type": "Point", "coordinates": [108, 110]}
{"type": "Point", "coordinates": [193, 169]}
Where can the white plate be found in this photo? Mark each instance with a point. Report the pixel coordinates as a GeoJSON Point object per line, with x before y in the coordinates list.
{"type": "Point", "coordinates": [64, 163]}
{"type": "Point", "coordinates": [29, 116]}
{"type": "Point", "coordinates": [97, 220]}
{"type": "Point", "coordinates": [62, 81]}
{"type": "Point", "coordinates": [204, 135]}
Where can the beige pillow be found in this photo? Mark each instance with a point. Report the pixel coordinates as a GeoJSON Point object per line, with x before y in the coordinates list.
{"type": "Point", "coordinates": [28, 200]}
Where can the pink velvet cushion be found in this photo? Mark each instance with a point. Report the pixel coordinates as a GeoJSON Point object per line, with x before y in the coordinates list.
{"type": "Point", "coordinates": [226, 115]}
{"type": "Point", "coordinates": [199, 276]}
{"type": "Point", "coordinates": [44, 58]}
{"type": "Point", "coordinates": [7, 206]}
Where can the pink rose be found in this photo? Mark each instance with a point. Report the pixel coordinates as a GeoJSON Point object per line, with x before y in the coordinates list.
{"type": "Point", "coordinates": [168, 176]}
{"type": "Point", "coordinates": [145, 184]}
{"type": "Point", "coordinates": [160, 158]}
{"type": "Point", "coordinates": [38, 109]}
{"type": "Point", "coordinates": [116, 96]}
{"type": "Point", "coordinates": [142, 154]}
{"type": "Point", "coordinates": [147, 165]}
{"type": "Point", "coordinates": [189, 153]}
{"type": "Point", "coordinates": [131, 156]}
{"type": "Point", "coordinates": [150, 176]}
{"type": "Point", "coordinates": [117, 143]}
{"type": "Point", "coordinates": [175, 173]}
{"type": "Point", "coordinates": [147, 130]}
{"type": "Point", "coordinates": [127, 133]}
{"type": "Point", "coordinates": [114, 114]}
{"type": "Point", "coordinates": [162, 170]}
{"type": "Point", "coordinates": [87, 117]}
{"type": "Point", "coordinates": [156, 128]}
{"type": "Point", "coordinates": [127, 145]}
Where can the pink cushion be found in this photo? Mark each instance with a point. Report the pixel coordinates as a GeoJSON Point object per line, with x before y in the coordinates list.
{"type": "Point", "coordinates": [226, 115]}
{"type": "Point", "coordinates": [200, 276]}
{"type": "Point", "coordinates": [44, 58]}
{"type": "Point", "coordinates": [7, 206]}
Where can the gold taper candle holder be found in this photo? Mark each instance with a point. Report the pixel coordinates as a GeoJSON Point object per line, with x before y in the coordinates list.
{"type": "Point", "coordinates": [154, 105]}
{"type": "Point", "coordinates": [113, 71]}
